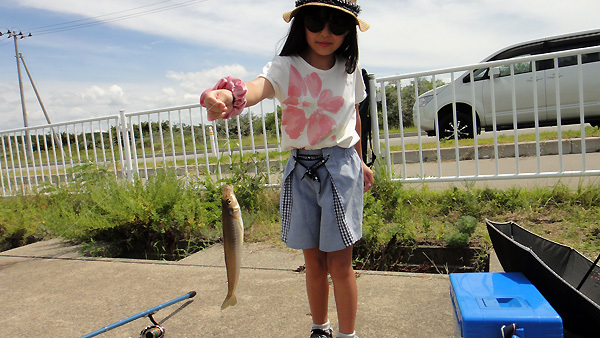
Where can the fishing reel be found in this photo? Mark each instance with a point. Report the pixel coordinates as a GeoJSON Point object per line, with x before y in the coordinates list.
{"type": "Point", "coordinates": [153, 331]}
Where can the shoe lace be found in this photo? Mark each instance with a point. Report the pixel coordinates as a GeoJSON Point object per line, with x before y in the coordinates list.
{"type": "Point", "coordinates": [318, 333]}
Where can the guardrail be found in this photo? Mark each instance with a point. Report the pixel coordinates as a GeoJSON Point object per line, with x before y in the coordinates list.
{"type": "Point", "coordinates": [139, 143]}
{"type": "Point", "coordinates": [435, 160]}
{"type": "Point", "coordinates": [129, 144]}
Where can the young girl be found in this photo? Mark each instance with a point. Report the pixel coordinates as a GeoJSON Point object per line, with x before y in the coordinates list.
{"type": "Point", "coordinates": [315, 79]}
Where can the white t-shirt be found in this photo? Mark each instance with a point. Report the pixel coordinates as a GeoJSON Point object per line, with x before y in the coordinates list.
{"type": "Point", "coordinates": [318, 106]}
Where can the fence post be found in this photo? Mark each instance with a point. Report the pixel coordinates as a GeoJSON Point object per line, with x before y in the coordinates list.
{"type": "Point", "coordinates": [374, 116]}
{"type": "Point", "coordinates": [128, 168]}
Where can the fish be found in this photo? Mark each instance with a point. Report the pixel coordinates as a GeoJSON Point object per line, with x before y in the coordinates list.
{"type": "Point", "coordinates": [233, 240]}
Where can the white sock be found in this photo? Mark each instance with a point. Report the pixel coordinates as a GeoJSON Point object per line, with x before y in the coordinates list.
{"type": "Point", "coordinates": [344, 335]}
{"type": "Point", "coordinates": [323, 327]}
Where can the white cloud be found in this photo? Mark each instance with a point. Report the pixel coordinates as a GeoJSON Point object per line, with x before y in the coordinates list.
{"type": "Point", "coordinates": [170, 92]}
{"type": "Point", "coordinates": [230, 36]}
{"type": "Point", "coordinates": [230, 24]}
{"type": "Point", "coordinates": [414, 35]}
{"type": "Point", "coordinates": [113, 96]}
{"type": "Point", "coordinates": [94, 100]}
{"type": "Point", "coordinates": [197, 82]}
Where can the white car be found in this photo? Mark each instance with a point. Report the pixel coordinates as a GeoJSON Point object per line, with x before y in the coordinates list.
{"type": "Point", "coordinates": [545, 74]}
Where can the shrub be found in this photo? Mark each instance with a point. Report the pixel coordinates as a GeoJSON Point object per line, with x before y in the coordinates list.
{"type": "Point", "coordinates": [465, 227]}
{"type": "Point", "coordinates": [21, 218]}
{"type": "Point", "coordinates": [141, 219]}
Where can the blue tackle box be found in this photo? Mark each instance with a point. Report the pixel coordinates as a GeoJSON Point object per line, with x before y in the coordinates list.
{"type": "Point", "coordinates": [485, 302]}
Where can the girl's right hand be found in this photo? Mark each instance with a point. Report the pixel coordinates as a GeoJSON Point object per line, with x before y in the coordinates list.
{"type": "Point", "coordinates": [218, 103]}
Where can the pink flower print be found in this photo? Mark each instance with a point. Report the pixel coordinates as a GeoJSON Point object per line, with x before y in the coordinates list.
{"type": "Point", "coordinates": [313, 82]}
{"type": "Point", "coordinates": [297, 87]}
{"type": "Point", "coordinates": [306, 107]}
{"type": "Point", "coordinates": [294, 120]}
{"type": "Point", "coordinates": [329, 102]}
{"type": "Point", "coordinates": [319, 125]}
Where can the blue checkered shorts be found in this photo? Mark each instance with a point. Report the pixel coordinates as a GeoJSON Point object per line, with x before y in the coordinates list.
{"type": "Point", "coordinates": [323, 212]}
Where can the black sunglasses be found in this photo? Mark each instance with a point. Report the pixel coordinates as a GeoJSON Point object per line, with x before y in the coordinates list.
{"type": "Point", "coordinates": [338, 25]}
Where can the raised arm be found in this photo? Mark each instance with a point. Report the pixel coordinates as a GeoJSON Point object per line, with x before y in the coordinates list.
{"type": "Point", "coordinates": [219, 103]}
{"type": "Point", "coordinates": [258, 90]}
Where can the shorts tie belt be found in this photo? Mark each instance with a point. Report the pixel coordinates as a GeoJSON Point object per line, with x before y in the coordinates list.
{"type": "Point", "coordinates": [311, 170]}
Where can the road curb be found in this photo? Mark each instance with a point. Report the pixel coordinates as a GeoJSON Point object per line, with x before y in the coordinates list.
{"type": "Point", "coordinates": [524, 149]}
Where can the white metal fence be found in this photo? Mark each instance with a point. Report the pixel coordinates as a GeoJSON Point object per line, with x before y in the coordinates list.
{"type": "Point", "coordinates": [139, 143]}
{"type": "Point", "coordinates": [493, 155]}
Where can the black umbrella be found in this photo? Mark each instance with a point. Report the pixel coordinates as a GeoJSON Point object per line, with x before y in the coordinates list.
{"type": "Point", "coordinates": [568, 280]}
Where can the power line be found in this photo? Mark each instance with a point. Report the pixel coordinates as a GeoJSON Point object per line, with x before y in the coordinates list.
{"type": "Point", "coordinates": [118, 18]}
{"type": "Point", "coordinates": [93, 21]}
{"type": "Point", "coordinates": [88, 22]}
{"type": "Point", "coordinates": [99, 16]}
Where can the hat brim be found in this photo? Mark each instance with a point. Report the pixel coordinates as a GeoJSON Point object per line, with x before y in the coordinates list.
{"type": "Point", "coordinates": [363, 26]}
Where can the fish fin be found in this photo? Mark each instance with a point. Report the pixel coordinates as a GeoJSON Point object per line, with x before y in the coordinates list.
{"type": "Point", "coordinates": [229, 301]}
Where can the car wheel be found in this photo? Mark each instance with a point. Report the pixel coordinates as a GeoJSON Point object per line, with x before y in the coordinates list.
{"type": "Point", "coordinates": [464, 126]}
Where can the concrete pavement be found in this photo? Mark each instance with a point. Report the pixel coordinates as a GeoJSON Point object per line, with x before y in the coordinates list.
{"type": "Point", "coordinates": [49, 289]}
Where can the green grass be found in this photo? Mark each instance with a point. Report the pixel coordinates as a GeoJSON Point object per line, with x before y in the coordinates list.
{"type": "Point", "coordinates": [169, 217]}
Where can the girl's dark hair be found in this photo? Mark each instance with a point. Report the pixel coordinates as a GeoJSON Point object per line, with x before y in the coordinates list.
{"type": "Point", "coordinates": [296, 43]}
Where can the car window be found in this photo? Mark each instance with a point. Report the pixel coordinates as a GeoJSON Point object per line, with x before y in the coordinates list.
{"type": "Point", "coordinates": [539, 48]}
{"type": "Point", "coordinates": [567, 61]}
{"type": "Point", "coordinates": [480, 74]}
{"type": "Point", "coordinates": [520, 68]}
{"type": "Point", "coordinates": [590, 57]}
{"type": "Point", "coordinates": [572, 60]}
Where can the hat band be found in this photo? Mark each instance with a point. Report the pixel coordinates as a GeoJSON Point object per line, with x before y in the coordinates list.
{"type": "Point", "coordinates": [345, 4]}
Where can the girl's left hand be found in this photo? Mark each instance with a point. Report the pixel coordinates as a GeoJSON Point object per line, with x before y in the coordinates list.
{"type": "Point", "coordinates": [368, 177]}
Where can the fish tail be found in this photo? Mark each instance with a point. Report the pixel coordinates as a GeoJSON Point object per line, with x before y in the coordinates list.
{"type": "Point", "coordinates": [229, 301]}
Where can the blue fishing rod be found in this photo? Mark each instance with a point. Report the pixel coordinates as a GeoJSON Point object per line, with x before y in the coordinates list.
{"type": "Point", "coordinates": [154, 331]}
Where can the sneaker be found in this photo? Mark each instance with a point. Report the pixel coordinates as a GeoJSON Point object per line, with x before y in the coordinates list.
{"type": "Point", "coordinates": [318, 333]}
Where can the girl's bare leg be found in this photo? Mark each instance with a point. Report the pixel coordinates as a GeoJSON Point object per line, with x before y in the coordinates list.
{"type": "Point", "coordinates": [339, 264]}
{"type": "Point", "coordinates": [317, 285]}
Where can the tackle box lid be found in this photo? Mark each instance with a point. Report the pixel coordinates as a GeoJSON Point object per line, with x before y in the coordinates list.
{"type": "Point", "coordinates": [486, 301]}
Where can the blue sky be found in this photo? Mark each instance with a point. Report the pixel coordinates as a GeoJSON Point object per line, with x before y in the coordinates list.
{"type": "Point", "coordinates": [150, 54]}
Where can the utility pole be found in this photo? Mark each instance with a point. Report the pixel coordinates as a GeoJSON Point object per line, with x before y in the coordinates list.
{"type": "Point", "coordinates": [16, 36]}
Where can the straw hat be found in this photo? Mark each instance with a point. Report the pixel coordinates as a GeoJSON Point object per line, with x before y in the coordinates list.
{"type": "Point", "coordinates": [348, 6]}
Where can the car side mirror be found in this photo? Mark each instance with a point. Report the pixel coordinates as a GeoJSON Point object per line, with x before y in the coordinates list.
{"type": "Point", "coordinates": [494, 72]}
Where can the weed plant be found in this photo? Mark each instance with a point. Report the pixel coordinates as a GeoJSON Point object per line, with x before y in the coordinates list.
{"type": "Point", "coordinates": [155, 218]}
{"type": "Point", "coordinates": [21, 220]}
{"type": "Point", "coordinates": [397, 215]}
{"type": "Point", "coordinates": [162, 217]}
{"type": "Point", "coordinates": [169, 217]}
